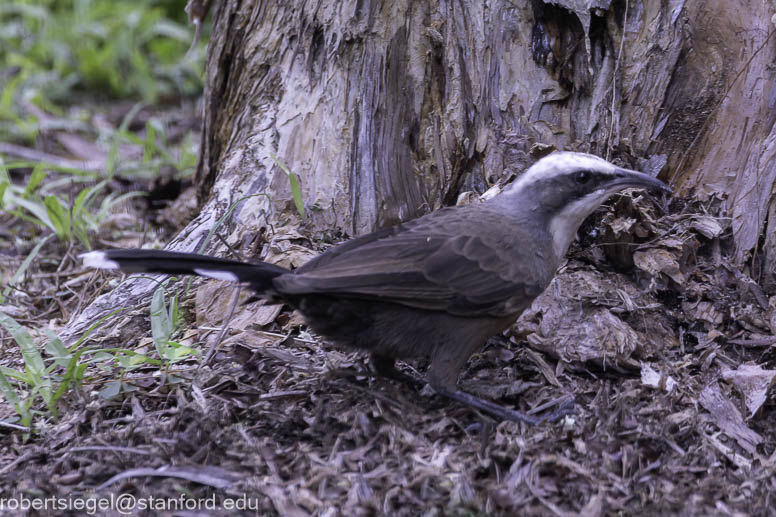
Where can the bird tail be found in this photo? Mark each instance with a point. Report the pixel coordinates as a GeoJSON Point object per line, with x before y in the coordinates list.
{"type": "Point", "coordinates": [259, 275]}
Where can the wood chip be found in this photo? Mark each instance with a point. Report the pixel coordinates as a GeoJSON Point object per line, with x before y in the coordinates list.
{"type": "Point", "coordinates": [728, 418]}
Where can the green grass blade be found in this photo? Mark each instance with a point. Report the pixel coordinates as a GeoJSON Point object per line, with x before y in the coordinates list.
{"type": "Point", "coordinates": [59, 217]}
{"type": "Point", "coordinates": [40, 382]}
{"type": "Point", "coordinates": [24, 265]}
{"type": "Point", "coordinates": [296, 189]}
{"type": "Point", "coordinates": [16, 374]}
{"type": "Point", "coordinates": [32, 357]}
{"type": "Point", "coordinates": [38, 210]}
{"type": "Point", "coordinates": [36, 178]}
{"type": "Point", "coordinates": [57, 349]}
{"type": "Point", "coordinates": [10, 395]}
{"type": "Point", "coordinates": [3, 187]}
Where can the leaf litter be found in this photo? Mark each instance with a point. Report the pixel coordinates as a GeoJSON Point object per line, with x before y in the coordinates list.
{"type": "Point", "coordinates": [666, 348]}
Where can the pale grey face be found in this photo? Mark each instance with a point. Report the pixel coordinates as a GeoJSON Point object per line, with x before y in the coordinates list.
{"type": "Point", "coordinates": [564, 188]}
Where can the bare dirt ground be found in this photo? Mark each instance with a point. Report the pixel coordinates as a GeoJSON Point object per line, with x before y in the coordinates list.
{"type": "Point", "coordinates": [667, 349]}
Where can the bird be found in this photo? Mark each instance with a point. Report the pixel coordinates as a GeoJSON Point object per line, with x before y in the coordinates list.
{"type": "Point", "coordinates": [437, 286]}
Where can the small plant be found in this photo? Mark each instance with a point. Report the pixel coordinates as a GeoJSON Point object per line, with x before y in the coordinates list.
{"type": "Point", "coordinates": [165, 321]}
{"type": "Point", "coordinates": [54, 51]}
{"type": "Point", "coordinates": [156, 151]}
{"type": "Point", "coordinates": [123, 48]}
{"type": "Point", "coordinates": [34, 203]}
{"type": "Point", "coordinates": [55, 55]}
{"type": "Point", "coordinates": [48, 379]}
{"type": "Point", "coordinates": [35, 377]}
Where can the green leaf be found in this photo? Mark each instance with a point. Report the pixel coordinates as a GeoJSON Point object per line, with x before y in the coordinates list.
{"type": "Point", "coordinates": [82, 219]}
{"type": "Point", "coordinates": [175, 315]}
{"type": "Point", "coordinates": [82, 234]}
{"type": "Point", "coordinates": [35, 368]}
{"type": "Point", "coordinates": [32, 358]}
{"type": "Point", "coordinates": [111, 390]}
{"type": "Point", "coordinates": [25, 264]}
{"type": "Point", "coordinates": [111, 200]}
{"type": "Point", "coordinates": [177, 350]}
{"type": "Point", "coordinates": [36, 178]}
{"type": "Point", "coordinates": [85, 197]}
{"type": "Point", "coordinates": [149, 145]}
{"type": "Point", "coordinates": [161, 325]}
{"type": "Point", "coordinates": [57, 349]}
{"type": "Point", "coordinates": [16, 374]}
{"type": "Point", "coordinates": [296, 189]}
{"type": "Point", "coordinates": [73, 374]}
{"type": "Point", "coordinates": [59, 217]}
{"type": "Point", "coordinates": [134, 360]}
{"type": "Point", "coordinates": [8, 392]}
{"type": "Point", "coordinates": [113, 150]}
{"type": "Point", "coordinates": [8, 94]}
{"type": "Point", "coordinates": [3, 187]}
{"type": "Point", "coordinates": [10, 395]}
{"type": "Point", "coordinates": [38, 210]}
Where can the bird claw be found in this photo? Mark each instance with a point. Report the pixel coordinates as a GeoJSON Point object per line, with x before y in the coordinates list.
{"type": "Point", "coordinates": [385, 367]}
{"type": "Point", "coordinates": [566, 408]}
{"type": "Point", "coordinates": [504, 413]}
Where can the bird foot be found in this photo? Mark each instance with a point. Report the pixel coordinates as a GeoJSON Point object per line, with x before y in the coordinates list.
{"type": "Point", "coordinates": [504, 413]}
{"type": "Point", "coordinates": [386, 367]}
{"type": "Point", "coordinates": [566, 407]}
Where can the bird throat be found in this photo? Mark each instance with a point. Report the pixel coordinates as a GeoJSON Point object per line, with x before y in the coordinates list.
{"type": "Point", "coordinates": [565, 223]}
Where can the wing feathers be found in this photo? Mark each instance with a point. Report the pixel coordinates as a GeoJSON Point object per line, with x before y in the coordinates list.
{"type": "Point", "coordinates": [443, 261]}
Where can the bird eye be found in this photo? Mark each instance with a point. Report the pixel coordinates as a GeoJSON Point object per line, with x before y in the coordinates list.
{"type": "Point", "coordinates": [582, 176]}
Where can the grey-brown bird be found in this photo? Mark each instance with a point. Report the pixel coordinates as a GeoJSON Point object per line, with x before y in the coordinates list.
{"type": "Point", "coordinates": [437, 286]}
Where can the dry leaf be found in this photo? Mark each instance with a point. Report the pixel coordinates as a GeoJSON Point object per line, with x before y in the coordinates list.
{"type": "Point", "coordinates": [286, 254]}
{"type": "Point", "coordinates": [702, 310]}
{"type": "Point", "coordinates": [727, 417]}
{"type": "Point", "coordinates": [753, 382]}
{"type": "Point", "coordinates": [622, 225]}
{"type": "Point", "coordinates": [656, 260]}
{"type": "Point", "coordinates": [585, 335]}
{"type": "Point", "coordinates": [214, 300]}
{"type": "Point", "coordinates": [707, 226]}
{"type": "Point", "coordinates": [255, 314]}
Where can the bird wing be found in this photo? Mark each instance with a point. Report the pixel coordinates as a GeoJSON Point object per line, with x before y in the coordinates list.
{"type": "Point", "coordinates": [450, 260]}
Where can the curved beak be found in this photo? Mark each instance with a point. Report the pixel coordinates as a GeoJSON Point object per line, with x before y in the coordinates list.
{"type": "Point", "coordinates": [624, 178]}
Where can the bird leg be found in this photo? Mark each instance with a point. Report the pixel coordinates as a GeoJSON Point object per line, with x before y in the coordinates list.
{"type": "Point", "coordinates": [487, 406]}
{"type": "Point", "coordinates": [386, 367]}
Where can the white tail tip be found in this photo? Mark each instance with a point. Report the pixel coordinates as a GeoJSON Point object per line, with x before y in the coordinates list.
{"type": "Point", "coordinates": [98, 260]}
{"type": "Point", "coordinates": [217, 274]}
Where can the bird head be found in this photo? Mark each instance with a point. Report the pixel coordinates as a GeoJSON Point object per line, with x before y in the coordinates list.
{"type": "Point", "coordinates": [563, 188]}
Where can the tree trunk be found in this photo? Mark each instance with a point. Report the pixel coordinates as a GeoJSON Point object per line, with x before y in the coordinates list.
{"type": "Point", "coordinates": [387, 110]}
{"type": "Point", "coordinates": [386, 113]}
